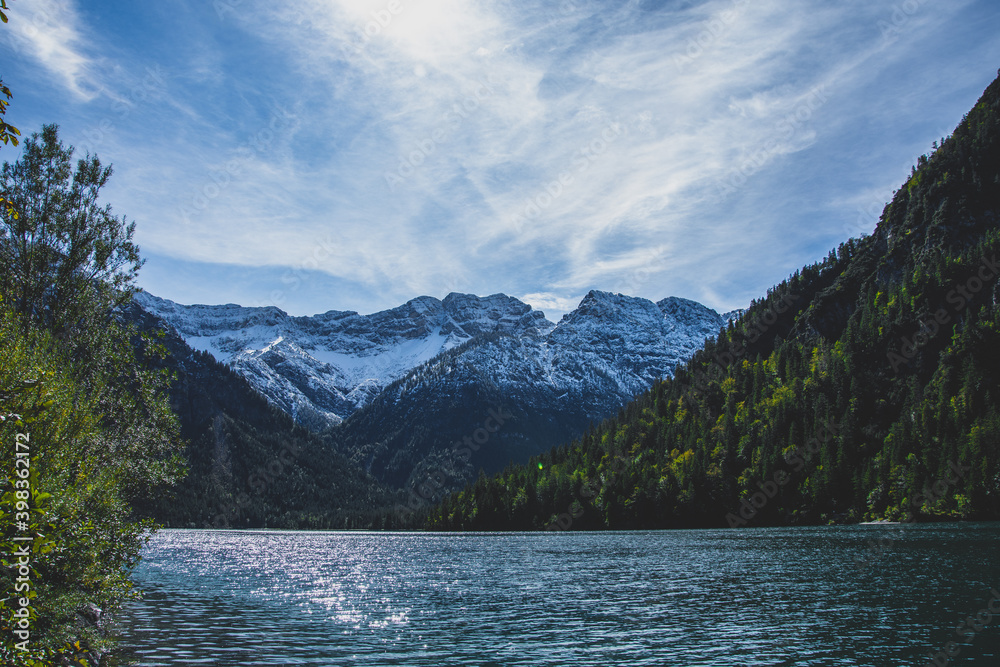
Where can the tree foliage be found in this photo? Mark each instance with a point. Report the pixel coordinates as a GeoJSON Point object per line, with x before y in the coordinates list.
{"type": "Point", "coordinates": [69, 259]}
{"type": "Point", "coordinates": [8, 133]}
{"type": "Point", "coordinates": [82, 384]}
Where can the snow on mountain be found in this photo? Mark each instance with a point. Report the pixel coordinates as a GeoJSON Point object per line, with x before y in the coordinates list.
{"type": "Point", "coordinates": [602, 354]}
{"type": "Point", "coordinates": [632, 339]}
{"type": "Point", "coordinates": [323, 368]}
{"type": "Point", "coordinates": [733, 315]}
{"type": "Point", "coordinates": [552, 385]}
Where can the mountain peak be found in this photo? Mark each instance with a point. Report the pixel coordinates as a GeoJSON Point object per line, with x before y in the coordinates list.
{"type": "Point", "coordinates": [427, 303]}
{"type": "Point", "coordinates": [602, 296]}
{"type": "Point", "coordinates": [612, 307]}
{"type": "Point", "coordinates": [476, 315]}
{"type": "Point", "coordinates": [330, 365]}
{"type": "Point", "coordinates": [687, 313]}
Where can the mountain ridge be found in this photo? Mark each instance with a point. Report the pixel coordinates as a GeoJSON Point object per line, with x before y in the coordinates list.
{"type": "Point", "coordinates": [396, 388]}
{"type": "Point", "coordinates": [322, 368]}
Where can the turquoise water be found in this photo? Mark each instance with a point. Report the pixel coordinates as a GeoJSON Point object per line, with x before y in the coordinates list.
{"type": "Point", "coordinates": [858, 595]}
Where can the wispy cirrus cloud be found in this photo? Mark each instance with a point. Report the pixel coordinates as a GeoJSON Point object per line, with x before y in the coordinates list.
{"type": "Point", "coordinates": [540, 149]}
{"type": "Point", "coordinates": [49, 31]}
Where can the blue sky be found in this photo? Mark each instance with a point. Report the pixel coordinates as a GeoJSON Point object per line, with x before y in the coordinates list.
{"type": "Point", "coordinates": [351, 155]}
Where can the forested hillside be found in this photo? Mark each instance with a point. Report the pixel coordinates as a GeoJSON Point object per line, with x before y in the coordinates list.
{"type": "Point", "coordinates": [395, 390]}
{"type": "Point", "coordinates": [865, 386]}
{"type": "Point", "coordinates": [249, 465]}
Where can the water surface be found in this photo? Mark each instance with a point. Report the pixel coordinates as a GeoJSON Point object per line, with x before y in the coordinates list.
{"type": "Point", "coordinates": [858, 595]}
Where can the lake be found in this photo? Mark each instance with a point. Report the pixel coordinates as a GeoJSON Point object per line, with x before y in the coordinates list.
{"type": "Point", "coordinates": [844, 595]}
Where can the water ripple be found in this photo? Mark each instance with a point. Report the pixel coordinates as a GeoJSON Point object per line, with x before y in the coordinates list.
{"type": "Point", "coordinates": [713, 597]}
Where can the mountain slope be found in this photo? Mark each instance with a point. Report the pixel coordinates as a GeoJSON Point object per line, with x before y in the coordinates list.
{"type": "Point", "coordinates": [249, 464]}
{"type": "Point", "coordinates": [412, 381]}
{"type": "Point", "coordinates": [321, 369]}
{"type": "Point", "coordinates": [865, 386]}
{"type": "Point", "coordinates": [547, 388]}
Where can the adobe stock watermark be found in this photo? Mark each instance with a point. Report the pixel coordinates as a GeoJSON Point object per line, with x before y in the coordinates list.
{"type": "Point", "coordinates": [377, 21]}
{"type": "Point", "coordinates": [456, 281]}
{"type": "Point", "coordinates": [28, 27]}
{"type": "Point", "coordinates": [892, 26]}
{"type": "Point", "coordinates": [786, 128]}
{"type": "Point", "coordinates": [225, 7]}
{"type": "Point", "coordinates": [423, 491]}
{"type": "Point", "coordinates": [223, 177]}
{"type": "Point", "coordinates": [652, 261]}
{"type": "Point", "coordinates": [877, 548]}
{"type": "Point", "coordinates": [450, 122]}
{"type": "Point", "coordinates": [21, 609]}
{"type": "Point", "coordinates": [583, 159]}
{"type": "Point", "coordinates": [712, 30]}
{"type": "Point", "coordinates": [295, 277]}
{"type": "Point", "coordinates": [362, 36]}
{"type": "Point", "coordinates": [751, 505]}
{"type": "Point", "coordinates": [966, 632]}
{"type": "Point", "coordinates": [151, 85]}
{"type": "Point", "coordinates": [959, 297]}
{"type": "Point", "coordinates": [868, 215]}
{"type": "Point", "coordinates": [588, 491]}
{"type": "Point", "coordinates": [702, 379]}
{"type": "Point", "coordinates": [567, 7]}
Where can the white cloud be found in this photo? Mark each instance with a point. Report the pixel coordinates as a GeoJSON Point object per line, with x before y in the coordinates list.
{"type": "Point", "coordinates": [553, 305]}
{"type": "Point", "coordinates": [537, 149]}
{"type": "Point", "coordinates": [49, 31]}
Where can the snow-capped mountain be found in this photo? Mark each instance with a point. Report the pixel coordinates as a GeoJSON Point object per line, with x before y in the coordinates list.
{"type": "Point", "coordinates": [551, 386]}
{"type": "Point", "coordinates": [630, 340]}
{"type": "Point", "coordinates": [412, 380]}
{"type": "Point", "coordinates": [322, 368]}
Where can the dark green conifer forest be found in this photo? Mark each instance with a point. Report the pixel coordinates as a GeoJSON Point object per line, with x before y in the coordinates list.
{"type": "Point", "coordinates": [864, 387]}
